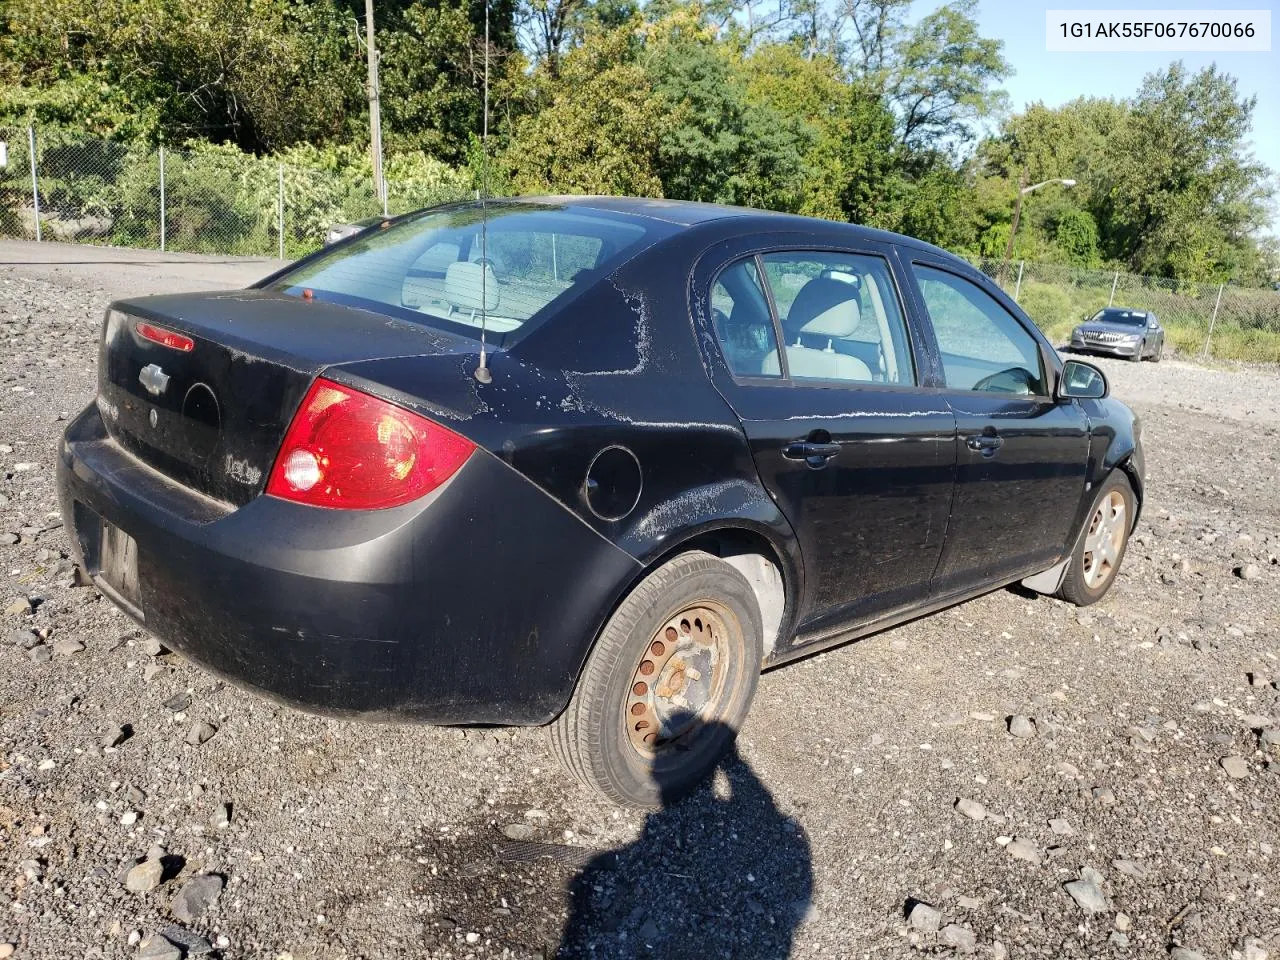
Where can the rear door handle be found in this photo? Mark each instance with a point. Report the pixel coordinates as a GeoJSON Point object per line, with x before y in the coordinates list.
{"type": "Point", "coordinates": [985, 444]}
{"type": "Point", "coordinates": [816, 455]}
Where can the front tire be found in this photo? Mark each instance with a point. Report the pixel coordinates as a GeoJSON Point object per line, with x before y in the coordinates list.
{"type": "Point", "coordinates": [1101, 544]}
{"type": "Point", "coordinates": [667, 685]}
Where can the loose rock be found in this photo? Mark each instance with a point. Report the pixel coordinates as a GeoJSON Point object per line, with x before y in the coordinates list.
{"type": "Point", "coordinates": [961, 939]}
{"type": "Point", "coordinates": [145, 877]}
{"type": "Point", "coordinates": [159, 948]}
{"type": "Point", "coordinates": [1087, 894]}
{"type": "Point", "coordinates": [1235, 767]}
{"type": "Point", "coordinates": [196, 896]}
{"type": "Point", "coordinates": [200, 733]}
{"type": "Point", "coordinates": [924, 918]}
{"type": "Point", "coordinates": [1132, 868]}
{"type": "Point", "coordinates": [1025, 850]}
{"type": "Point", "coordinates": [970, 808]}
{"type": "Point", "coordinates": [1022, 727]}
{"type": "Point", "coordinates": [221, 818]}
{"type": "Point", "coordinates": [151, 646]}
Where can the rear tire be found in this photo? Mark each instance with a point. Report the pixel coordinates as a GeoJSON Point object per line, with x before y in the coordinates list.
{"type": "Point", "coordinates": [712, 666]}
{"type": "Point", "coordinates": [1101, 544]}
{"type": "Point", "coordinates": [1159, 354]}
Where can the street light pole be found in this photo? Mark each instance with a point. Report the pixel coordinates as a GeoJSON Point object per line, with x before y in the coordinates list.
{"type": "Point", "coordinates": [1023, 190]}
{"type": "Point", "coordinates": [375, 112]}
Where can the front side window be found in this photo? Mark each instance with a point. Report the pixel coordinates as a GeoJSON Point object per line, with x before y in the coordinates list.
{"type": "Point", "coordinates": [840, 317]}
{"type": "Point", "coordinates": [460, 267]}
{"type": "Point", "coordinates": [983, 345]}
{"type": "Point", "coordinates": [743, 324]}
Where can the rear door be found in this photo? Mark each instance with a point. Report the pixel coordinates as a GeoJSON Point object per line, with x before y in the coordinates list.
{"type": "Point", "coordinates": [1021, 455]}
{"type": "Point", "coordinates": [857, 456]}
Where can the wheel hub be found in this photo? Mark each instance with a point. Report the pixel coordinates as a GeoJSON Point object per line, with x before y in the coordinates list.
{"type": "Point", "coordinates": [1104, 539]}
{"type": "Point", "coordinates": [678, 681]}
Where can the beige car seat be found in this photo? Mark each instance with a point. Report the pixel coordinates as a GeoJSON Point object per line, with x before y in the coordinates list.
{"type": "Point", "coordinates": [824, 307]}
{"type": "Point", "coordinates": [470, 287]}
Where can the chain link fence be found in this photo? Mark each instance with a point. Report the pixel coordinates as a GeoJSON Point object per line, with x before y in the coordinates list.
{"type": "Point", "coordinates": [1201, 319]}
{"type": "Point", "coordinates": [83, 189]}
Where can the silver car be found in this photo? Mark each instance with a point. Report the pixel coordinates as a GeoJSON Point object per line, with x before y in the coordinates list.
{"type": "Point", "coordinates": [1121, 332]}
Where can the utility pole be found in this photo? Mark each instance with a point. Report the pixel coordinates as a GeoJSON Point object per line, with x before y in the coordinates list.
{"type": "Point", "coordinates": [375, 112]}
{"type": "Point", "coordinates": [1023, 190]}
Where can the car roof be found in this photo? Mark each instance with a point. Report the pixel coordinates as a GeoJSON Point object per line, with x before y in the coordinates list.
{"type": "Point", "coordinates": [688, 213]}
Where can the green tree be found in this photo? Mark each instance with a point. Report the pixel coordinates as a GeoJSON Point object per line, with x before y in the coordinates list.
{"type": "Point", "coordinates": [1186, 197]}
{"type": "Point", "coordinates": [261, 74]}
{"type": "Point", "coordinates": [596, 127]}
{"type": "Point", "coordinates": [943, 76]}
{"type": "Point", "coordinates": [718, 145]}
{"type": "Point", "coordinates": [1075, 233]}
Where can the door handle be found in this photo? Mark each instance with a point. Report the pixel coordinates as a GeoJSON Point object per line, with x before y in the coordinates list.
{"type": "Point", "coordinates": [985, 444]}
{"type": "Point", "coordinates": [816, 455]}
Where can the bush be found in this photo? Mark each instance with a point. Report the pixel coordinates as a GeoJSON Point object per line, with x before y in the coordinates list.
{"type": "Point", "coordinates": [1050, 307]}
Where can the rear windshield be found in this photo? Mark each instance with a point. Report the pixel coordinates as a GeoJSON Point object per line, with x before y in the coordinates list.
{"type": "Point", "coordinates": [1115, 315]}
{"type": "Point", "coordinates": [457, 267]}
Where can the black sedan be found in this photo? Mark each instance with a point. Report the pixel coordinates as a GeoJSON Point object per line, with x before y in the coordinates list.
{"type": "Point", "coordinates": [591, 463]}
{"type": "Point", "coordinates": [1121, 332]}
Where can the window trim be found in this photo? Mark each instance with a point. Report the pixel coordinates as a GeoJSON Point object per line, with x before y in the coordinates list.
{"type": "Point", "coordinates": [785, 379]}
{"type": "Point", "coordinates": [1048, 374]}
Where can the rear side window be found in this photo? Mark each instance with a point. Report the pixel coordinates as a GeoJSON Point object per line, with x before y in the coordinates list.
{"type": "Point", "coordinates": [983, 345]}
{"type": "Point", "coordinates": [840, 317]}
{"type": "Point", "coordinates": [456, 268]}
{"type": "Point", "coordinates": [743, 324]}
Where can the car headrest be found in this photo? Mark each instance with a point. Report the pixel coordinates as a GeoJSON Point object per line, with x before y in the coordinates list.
{"type": "Point", "coordinates": [826, 307]}
{"type": "Point", "coordinates": [471, 286]}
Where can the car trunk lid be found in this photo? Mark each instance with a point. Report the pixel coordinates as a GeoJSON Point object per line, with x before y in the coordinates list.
{"type": "Point", "coordinates": [212, 417]}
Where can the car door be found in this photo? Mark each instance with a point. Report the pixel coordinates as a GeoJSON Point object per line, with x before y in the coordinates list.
{"type": "Point", "coordinates": [1022, 455]}
{"type": "Point", "coordinates": [1154, 339]}
{"type": "Point", "coordinates": [859, 459]}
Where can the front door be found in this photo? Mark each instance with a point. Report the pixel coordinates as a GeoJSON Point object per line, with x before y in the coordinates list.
{"type": "Point", "coordinates": [1021, 455]}
{"type": "Point", "coordinates": [858, 458]}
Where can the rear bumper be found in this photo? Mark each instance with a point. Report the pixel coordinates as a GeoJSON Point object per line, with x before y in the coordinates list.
{"type": "Point", "coordinates": [476, 604]}
{"type": "Point", "coordinates": [1107, 349]}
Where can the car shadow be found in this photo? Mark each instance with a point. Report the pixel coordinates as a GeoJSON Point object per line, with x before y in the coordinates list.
{"type": "Point", "coordinates": [720, 873]}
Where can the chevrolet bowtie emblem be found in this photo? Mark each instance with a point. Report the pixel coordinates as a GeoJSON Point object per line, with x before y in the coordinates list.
{"type": "Point", "coordinates": [154, 379]}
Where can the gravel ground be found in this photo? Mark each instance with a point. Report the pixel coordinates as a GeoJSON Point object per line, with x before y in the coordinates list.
{"type": "Point", "coordinates": [879, 806]}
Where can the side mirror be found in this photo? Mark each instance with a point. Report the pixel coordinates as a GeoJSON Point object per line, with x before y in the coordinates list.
{"type": "Point", "coordinates": [1082, 381]}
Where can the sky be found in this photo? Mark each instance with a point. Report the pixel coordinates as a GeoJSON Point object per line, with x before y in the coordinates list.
{"type": "Point", "coordinates": [1055, 78]}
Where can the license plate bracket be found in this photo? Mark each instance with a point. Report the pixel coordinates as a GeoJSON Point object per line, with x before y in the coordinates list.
{"type": "Point", "coordinates": [118, 562]}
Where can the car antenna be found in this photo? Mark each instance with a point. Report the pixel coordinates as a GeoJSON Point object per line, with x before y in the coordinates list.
{"type": "Point", "coordinates": [482, 373]}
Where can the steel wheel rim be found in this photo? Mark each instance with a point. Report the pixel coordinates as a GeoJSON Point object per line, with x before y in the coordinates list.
{"type": "Point", "coordinates": [1104, 539]}
{"type": "Point", "coordinates": [680, 682]}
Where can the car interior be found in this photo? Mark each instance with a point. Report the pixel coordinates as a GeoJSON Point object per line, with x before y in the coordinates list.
{"type": "Point", "coordinates": [836, 326]}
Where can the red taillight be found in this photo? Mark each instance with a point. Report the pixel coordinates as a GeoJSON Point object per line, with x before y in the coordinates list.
{"type": "Point", "coordinates": [166, 338]}
{"type": "Point", "coordinates": [348, 450]}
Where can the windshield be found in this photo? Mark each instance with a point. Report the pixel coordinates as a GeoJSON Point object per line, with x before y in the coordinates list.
{"type": "Point", "coordinates": [1133, 318]}
{"type": "Point", "coordinates": [431, 267]}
